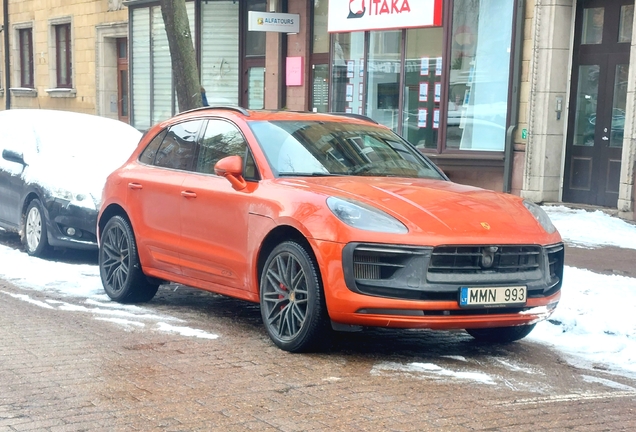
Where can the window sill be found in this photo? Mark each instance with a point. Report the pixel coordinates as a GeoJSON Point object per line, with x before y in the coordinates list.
{"type": "Point", "coordinates": [61, 92]}
{"type": "Point", "coordinates": [23, 92]}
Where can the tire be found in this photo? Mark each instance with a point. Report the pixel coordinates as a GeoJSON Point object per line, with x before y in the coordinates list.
{"type": "Point", "coordinates": [501, 334]}
{"type": "Point", "coordinates": [292, 300]}
{"type": "Point", "coordinates": [34, 232]}
{"type": "Point", "coordinates": [119, 266]}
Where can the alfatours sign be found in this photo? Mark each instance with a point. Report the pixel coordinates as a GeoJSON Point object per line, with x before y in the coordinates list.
{"type": "Point", "coordinates": [273, 22]}
{"type": "Point", "coordinates": [358, 15]}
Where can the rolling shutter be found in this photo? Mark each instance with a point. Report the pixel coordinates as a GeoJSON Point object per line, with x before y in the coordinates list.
{"type": "Point", "coordinates": [220, 51]}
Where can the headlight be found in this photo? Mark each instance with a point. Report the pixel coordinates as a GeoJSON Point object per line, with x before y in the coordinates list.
{"type": "Point", "coordinates": [78, 199]}
{"type": "Point", "coordinates": [365, 217]}
{"type": "Point", "coordinates": [540, 215]}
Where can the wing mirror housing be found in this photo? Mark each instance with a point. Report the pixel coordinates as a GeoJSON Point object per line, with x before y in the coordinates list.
{"type": "Point", "coordinates": [231, 168]}
{"type": "Point", "coordinates": [13, 156]}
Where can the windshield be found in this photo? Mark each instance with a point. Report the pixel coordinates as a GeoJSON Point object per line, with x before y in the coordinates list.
{"type": "Point", "coordinates": [334, 148]}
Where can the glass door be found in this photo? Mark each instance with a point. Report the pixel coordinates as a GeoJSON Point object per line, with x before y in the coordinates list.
{"type": "Point", "coordinates": [597, 103]}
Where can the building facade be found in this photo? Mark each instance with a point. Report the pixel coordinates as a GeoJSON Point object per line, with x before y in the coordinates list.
{"type": "Point", "coordinates": [532, 97]}
{"type": "Point", "coordinates": [65, 55]}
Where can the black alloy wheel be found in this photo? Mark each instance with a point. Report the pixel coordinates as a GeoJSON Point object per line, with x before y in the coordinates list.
{"type": "Point", "coordinates": [119, 266]}
{"type": "Point", "coordinates": [292, 303]}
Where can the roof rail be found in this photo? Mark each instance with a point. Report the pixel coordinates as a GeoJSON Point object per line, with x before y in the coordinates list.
{"type": "Point", "coordinates": [357, 116]}
{"type": "Point", "coordinates": [236, 108]}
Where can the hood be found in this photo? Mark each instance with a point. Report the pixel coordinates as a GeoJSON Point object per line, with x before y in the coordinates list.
{"type": "Point", "coordinates": [437, 208]}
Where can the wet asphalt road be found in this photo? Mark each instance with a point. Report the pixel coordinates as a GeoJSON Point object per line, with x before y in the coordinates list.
{"type": "Point", "coordinates": [66, 368]}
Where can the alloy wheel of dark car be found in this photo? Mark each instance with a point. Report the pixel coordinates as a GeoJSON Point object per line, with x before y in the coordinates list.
{"type": "Point", "coordinates": [34, 234]}
{"type": "Point", "coordinates": [292, 303]}
{"type": "Point", "coordinates": [119, 265]}
{"type": "Point", "coordinates": [501, 334]}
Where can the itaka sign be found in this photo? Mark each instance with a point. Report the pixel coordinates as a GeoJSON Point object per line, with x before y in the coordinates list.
{"type": "Point", "coordinates": [359, 15]}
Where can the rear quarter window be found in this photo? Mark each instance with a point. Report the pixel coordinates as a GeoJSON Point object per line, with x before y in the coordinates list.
{"type": "Point", "coordinates": [149, 153]}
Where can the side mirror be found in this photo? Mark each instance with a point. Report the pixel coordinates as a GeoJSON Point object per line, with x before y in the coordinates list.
{"type": "Point", "coordinates": [231, 168]}
{"type": "Point", "coordinates": [13, 156]}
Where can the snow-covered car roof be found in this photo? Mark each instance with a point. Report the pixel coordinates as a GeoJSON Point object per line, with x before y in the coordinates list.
{"type": "Point", "coordinates": [66, 149]}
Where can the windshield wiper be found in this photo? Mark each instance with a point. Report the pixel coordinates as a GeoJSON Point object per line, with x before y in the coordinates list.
{"type": "Point", "coordinates": [307, 174]}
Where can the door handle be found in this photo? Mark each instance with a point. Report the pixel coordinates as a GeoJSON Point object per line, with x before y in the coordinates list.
{"type": "Point", "coordinates": [188, 194]}
{"type": "Point", "coordinates": [134, 186]}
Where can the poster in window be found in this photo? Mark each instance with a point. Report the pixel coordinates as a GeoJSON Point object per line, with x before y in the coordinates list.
{"type": "Point", "coordinates": [360, 110]}
{"type": "Point", "coordinates": [424, 66]}
{"type": "Point", "coordinates": [423, 92]}
{"type": "Point", "coordinates": [436, 119]}
{"type": "Point", "coordinates": [349, 93]}
{"type": "Point", "coordinates": [360, 91]}
{"type": "Point", "coordinates": [361, 67]}
{"type": "Point", "coordinates": [351, 65]}
{"type": "Point", "coordinates": [438, 91]}
{"type": "Point", "coordinates": [438, 66]}
{"type": "Point", "coordinates": [422, 115]}
{"type": "Point", "coordinates": [348, 110]}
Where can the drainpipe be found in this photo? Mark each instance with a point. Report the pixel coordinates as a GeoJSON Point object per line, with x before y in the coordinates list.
{"type": "Point", "coordinates": [515, 86]}
{"type": "Point", "coordinates": [7, 63]}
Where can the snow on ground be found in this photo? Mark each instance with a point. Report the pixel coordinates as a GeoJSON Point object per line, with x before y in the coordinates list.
{"type": "Point", "coordinates": [593, 326]}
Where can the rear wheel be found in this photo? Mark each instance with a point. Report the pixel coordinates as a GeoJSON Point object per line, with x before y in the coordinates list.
{"type": "Point", "coordinates": [34, 234]}
{"type": "Point", "coordinates": [119, 266]}
{"type": "Point", "coordinates": [501, 334]}
{"type": "Point", "coordinates": [292, 303]}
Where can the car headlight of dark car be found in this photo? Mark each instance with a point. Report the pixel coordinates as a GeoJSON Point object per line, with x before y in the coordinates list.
{"type": "Point", "coordinates": [79, 199]}
{"type": "Point", "coordinates": [541, 216]}
{"type": "Point", "coordinates": [364, 217]}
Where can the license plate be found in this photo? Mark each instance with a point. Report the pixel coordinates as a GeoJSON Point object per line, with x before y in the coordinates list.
{"type": "Point", "coordinates": [492, 296]}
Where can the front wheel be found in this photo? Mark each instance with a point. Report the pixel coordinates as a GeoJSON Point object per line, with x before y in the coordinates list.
{"type": "Point", "coordinates": [119, 266]}
{"type": "Point", "coordinates": [34, 234]}
{"type": "Point", "coordinates": [292, 303]}
{"type": "Point", "coordinates": [501, 334]}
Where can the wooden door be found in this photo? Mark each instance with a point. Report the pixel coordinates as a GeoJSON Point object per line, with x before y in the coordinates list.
{"type": "Point", "coordinates": [597, 102]}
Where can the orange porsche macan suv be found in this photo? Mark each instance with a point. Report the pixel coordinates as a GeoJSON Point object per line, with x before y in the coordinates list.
{"type": "Point", "coordinates": [330, 222]}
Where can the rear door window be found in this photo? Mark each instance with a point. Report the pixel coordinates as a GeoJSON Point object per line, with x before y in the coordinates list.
{"type": "Point", "coordinates": [178, 148]}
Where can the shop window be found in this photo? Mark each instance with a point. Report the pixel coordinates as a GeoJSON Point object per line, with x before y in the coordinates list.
{"type": "Point", "coordinates": [422, 87]}
{"type": "Point", "coordinates": [320, 39]}
{"type": "Point", "coordinates": [25, 41]}
{"type": "Point", "coordinates": [320, 58]}
{"type": "Point", "coordinates": [255, 40]}
{"type": "Point", "coordinates": [347, 93]}
{"type": "Point", "coordinates": [478, 85]}
{"type": "Point", "coordinates": [383, 77]}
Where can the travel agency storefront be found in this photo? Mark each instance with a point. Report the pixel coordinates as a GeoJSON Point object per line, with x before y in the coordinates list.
{"type": "Point", "coordinates": [440, 73]}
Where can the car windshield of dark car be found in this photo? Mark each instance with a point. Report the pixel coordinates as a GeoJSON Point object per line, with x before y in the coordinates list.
{"type": "Point", "coordinates": [334, 148]}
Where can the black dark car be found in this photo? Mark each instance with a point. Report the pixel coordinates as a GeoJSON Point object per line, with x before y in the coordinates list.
{"type": "Point", "coordinates": [53, 166]}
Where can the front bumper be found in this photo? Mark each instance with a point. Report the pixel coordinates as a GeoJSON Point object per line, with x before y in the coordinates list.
{"type": "Point", "coordinates": [416, 287]}
{"type": "Point", "coordinates": [82, 220]}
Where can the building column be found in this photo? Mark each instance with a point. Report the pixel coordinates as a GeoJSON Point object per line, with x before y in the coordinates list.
{"type": "Point", "coordinates": [551, 56]}
{"type": "Point", "coordinates": [626, 192]}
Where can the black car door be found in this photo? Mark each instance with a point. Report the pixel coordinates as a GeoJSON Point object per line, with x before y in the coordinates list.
{"type": "Point", "coordinates": [11, 188]}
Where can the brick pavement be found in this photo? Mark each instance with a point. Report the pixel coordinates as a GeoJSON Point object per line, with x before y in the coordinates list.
{"type": "Point", "coordinates": [66, 371]}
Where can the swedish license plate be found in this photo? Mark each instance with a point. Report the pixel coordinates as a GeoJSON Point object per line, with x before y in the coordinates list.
{"type": "Point", "coordinates": [492, 296]}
